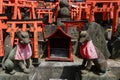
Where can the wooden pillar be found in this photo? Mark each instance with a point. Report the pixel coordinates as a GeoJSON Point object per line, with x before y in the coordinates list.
{"type": "Point", "coordinates": [35, 45]}
{"type": "Point", "coordinates": [12, 33]}
{"type": "Point", "coordinates": [48, 49]}
{"type": "Point", "coordinates": [91, 16]}
{"type": "Point", "coordinates": [1, 43]}
{"type": "Point", "coordinates": [70, 51]}
{"type": "Point", "coordinates": [33, 10]}
{"type": "Point", "coordinates": [19, 13]}
{"type": "Point", "coordinates": [115, 18]}
{"type": "Point", "coordinates": [1, 6]}
{"type": "Point", "coordinates": [15, 10]}
{"type": "Point", "coordinates": [66, 27]}
{"type": "Point", "coordinates": [79, 12]}
{"type": "Point", "coordinates": [105, 14]}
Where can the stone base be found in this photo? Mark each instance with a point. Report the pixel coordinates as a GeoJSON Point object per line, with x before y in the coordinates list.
{"type": "Point", "coordinates": [91, 76]}
{"type": "Point", "coordinates": [18, 76]}
{"type": "Point", "coordinates": [63, 71]}
{"type": "Point", "coordinates": [57, 70]}
{"type": "Point", "coordinates": [116, 72]}
{"type": "Point", "coordinates": [69, 71]}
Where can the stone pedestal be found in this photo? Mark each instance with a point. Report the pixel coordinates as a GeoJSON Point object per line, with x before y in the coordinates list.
{"type": "Point", "coordinates": [57, 70]}
{"type": "Point", "coordinates": [91, 76]}
{"type": "Point", "coordinates": [64, 71]}
{"type": "Point", "coordinates": [68, 71]}
{"type": "Point", "coordinates": [18, 76]}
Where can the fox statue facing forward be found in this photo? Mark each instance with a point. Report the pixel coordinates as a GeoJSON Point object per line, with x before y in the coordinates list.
{"type": "Point", "coordinates": [90, 54]}
{"type": "Point", "coordinates": [19, 56]}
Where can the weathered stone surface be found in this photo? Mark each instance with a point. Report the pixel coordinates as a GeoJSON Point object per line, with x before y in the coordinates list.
{"type": "Point", "coordinates": [64, 71]}
{"type": "Point", "coordinates": [64, 12]}
{"type": "Point", "coordinates": [116, 72]}
{"type": "Point", "coordinates": [18, 76]}
{"type": "Point", "coordinates": [115, 67]}
{"type": "Point", "coordinates": [63, 3]}
{"type": "Point", "coordinates": [57, 70]}
{"type": "Point", "coordinates": [91, 76]}
{"type": "Point", "coordinates": [96, 33]}
{"type": "Point", "coordinates": [113, 44]}
{"type": "Point", "coordinates": [71, 71]}
{"type": "Point", "coordinates": [58, 79]}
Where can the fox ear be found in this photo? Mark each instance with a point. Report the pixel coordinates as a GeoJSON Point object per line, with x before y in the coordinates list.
{"type": "Point", "coordinates": [30, 33]}
{"type": "Point", "coordinates": [18, 33]}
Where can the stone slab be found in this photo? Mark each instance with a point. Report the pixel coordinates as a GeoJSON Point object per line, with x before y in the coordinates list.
{"type": "Point", "coordinates": [91, 76]}
{"type": "Point", "coordinates": [58, 79]}
{"type": "Point", "coordinates": [48, 70]}
{"type": "Point", "coordinates": [116, 72]}
{"type": "Point", "coordinates": [57, 70]}
{"type": "Point", "coordinates": [18, 76]}
{"type": "Point", "coordinates": [71, 71]}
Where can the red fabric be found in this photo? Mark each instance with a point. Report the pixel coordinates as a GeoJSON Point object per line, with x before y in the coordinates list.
{"type": "Point", "coordinates": [87, 50]}
{"type": "Point", "coordinates": [23, 52]}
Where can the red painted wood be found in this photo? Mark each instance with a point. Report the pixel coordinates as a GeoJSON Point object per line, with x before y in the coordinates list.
{"type": "Point", "coordinates": [59, 34]}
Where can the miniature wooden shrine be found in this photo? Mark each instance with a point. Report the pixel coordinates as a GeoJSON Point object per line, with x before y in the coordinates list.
{"type": "Point", "coordinates": [59, 46]}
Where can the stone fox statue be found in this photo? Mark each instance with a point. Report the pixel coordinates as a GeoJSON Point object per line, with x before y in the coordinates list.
{"type": "Point", "coordinates": [19, 56]}
{"type": "Point", "coordinates": [90, 54]}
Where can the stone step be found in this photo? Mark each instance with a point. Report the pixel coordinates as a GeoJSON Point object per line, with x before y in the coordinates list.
{"type": "Point", "coordinates": [18, 76]}
{"type": "Point", "coordinates": [53, 70]}
{"type": "Point", "coordinates": [69, 71]}
{"type": "Point", "coordinates": [57, 70]}
{"type": "Point", "coordinates": [91, 76]}
{"type": "Point", "coordinates": [116, 72]}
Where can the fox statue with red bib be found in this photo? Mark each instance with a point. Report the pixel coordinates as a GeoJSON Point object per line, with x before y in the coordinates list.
{"type": "Point", "coordinates": [90, 54]}
{"type": "Point", "coordinates": [19, 56]}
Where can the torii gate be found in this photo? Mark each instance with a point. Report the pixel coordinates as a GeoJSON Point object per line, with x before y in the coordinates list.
{"type": "Point", "coordinates": [37, 24]}
{"type": "Point", "coordinates": [86, 10]}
